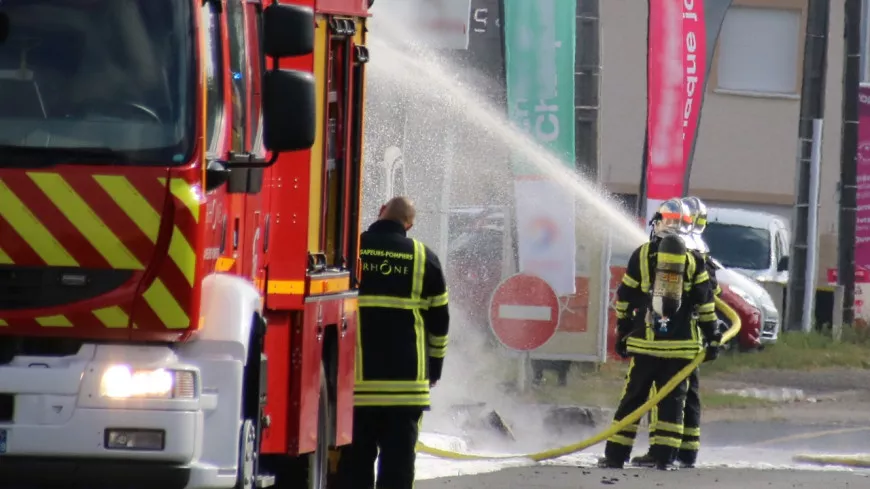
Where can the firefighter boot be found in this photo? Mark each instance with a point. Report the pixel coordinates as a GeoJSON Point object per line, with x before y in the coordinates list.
{"type": "Point", "coordinates": [645, 460]}
{"type": "Point", "coordinates": [606, 463]}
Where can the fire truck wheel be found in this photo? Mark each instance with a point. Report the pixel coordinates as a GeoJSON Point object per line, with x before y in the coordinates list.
{"type": "Point", "coordinates": [247, 456]}
{"type": "Point", "coordinates": [318, 461]}
{"type": "Point", "coordinates": [307, 471]}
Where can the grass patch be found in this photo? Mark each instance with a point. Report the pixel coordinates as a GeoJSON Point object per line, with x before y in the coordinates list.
{"type": "Point", "coordinates": [604, 388]}
{"type": "Point", "coordinates": [719, 400]}
{"type": "Point", "coordinates": [800, 351]}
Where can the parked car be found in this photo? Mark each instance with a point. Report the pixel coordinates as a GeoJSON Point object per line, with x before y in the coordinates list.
{"type": "Point", "coordinates": [753, 243]}
{"type": "Point", "coordinates": [749, 337]}
{"type": "Point", "coordinates": [750, 291]}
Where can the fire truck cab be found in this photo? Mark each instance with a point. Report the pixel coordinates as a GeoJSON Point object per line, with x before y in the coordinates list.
{"type": "Point", "coordinates": [179, 216]}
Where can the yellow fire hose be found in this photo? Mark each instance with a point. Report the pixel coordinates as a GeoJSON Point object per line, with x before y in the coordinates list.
{"type": "Point", "coordinates": [852, 461]}
{"type": "Point", "coordinates": [604, 435]}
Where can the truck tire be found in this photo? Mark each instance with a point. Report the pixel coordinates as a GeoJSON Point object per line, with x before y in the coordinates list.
{"type": "Point", "coordinates": [306, 471]}
{"type": "Point", "coordinates": [318, 460]}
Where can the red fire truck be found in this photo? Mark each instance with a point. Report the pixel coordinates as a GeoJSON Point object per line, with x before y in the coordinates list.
{"type": "Point", "coordinates": [179, 195]}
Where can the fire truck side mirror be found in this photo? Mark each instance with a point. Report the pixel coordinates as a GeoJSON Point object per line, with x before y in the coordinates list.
{"type": "Point", "coordinates": [289, 110]}
{"type": "Point", "coordinates": [288, 30]}
{"type": "Point", "coordinates": [4, 27]}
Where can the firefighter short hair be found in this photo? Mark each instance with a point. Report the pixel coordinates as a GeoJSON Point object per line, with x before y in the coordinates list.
{"type": "Point", "coordinates": [400, 209]}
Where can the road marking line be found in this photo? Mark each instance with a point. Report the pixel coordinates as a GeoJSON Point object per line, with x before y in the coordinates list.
{"type": "Point", "coordinates": [528, 313]}
{"type": "Point", "coordinates": [809, 436]}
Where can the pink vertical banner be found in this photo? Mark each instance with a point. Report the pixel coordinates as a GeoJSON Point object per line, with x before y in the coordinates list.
{"type": "Point", "coordinates": [862, 218]}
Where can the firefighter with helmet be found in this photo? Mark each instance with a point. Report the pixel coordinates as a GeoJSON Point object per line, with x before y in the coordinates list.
{"type": "Point", "coordinates": [665, 284]}
{"type": "Point", "coordinates": [401, 345]}
{"type": "Point", "coordinates": [688, 453]}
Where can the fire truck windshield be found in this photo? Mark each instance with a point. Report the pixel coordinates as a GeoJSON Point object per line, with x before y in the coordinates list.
{"type": "Point", "coordinates": [111, 74]}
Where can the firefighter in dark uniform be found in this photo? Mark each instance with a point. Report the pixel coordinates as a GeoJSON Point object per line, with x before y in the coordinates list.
{"type": "Point", "coordinates": [665, 283]}
{"type": "Point", "coordinates": [687, 455]}
{"type": "Point", "coordinates": [401, 344]}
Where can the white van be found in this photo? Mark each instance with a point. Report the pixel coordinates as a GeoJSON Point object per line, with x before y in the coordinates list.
{"type": "Point", "coordinates": [750, 242]}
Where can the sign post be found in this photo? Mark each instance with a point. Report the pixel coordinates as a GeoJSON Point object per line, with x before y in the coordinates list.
{"type": "Point", "coordinates": [524, 314]}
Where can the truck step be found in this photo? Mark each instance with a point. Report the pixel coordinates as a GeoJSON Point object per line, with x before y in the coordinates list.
{"type": "Point", "coordinates": [265, 480]}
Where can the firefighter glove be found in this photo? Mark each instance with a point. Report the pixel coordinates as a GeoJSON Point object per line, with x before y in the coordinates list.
{"type": "Point", "coordinates": [713, 347]}
{"type": "Point", "coordinates": [622, 347]}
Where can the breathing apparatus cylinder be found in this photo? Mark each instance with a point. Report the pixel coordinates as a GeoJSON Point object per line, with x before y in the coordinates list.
{"type": "Point", "coordinates": [670, 269]}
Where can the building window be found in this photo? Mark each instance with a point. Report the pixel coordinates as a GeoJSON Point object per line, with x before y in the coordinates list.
{"type": "Point", "coordinates": [758, 50]}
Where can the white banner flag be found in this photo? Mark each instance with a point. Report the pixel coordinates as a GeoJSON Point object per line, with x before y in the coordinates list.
{"type": "Point", "coordinates": [545, 232]}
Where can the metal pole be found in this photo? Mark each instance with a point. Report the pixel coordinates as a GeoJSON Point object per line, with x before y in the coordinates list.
{"type": "Point", "coordinates": [812, 107]}
{"type": "Point", "coordinates": [813, 228]}
{"type": "Point", "coordinates": [865, 41]}
{"type": "Point", "coordinates": [849, 159]}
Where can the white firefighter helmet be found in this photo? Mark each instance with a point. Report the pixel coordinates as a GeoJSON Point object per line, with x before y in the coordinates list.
{"type": "Point", "coordinates": [698, 213]}
{"type": "Point", "coordinates": [672, 217]}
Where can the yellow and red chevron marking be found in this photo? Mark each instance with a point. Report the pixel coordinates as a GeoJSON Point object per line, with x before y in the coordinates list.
{"type": "Point", "coordinates": [71, 218]}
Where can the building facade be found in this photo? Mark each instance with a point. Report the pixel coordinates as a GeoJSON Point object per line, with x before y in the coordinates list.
{"type": "Point", "coordinates": [746, 150]}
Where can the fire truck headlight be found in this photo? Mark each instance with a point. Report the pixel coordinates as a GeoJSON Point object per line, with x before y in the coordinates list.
{"type": "Point", "coordinates": [124, 382]}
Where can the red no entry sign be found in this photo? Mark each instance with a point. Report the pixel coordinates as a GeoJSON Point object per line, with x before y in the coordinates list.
{"type": "Point", "coordinates": [524, 312]}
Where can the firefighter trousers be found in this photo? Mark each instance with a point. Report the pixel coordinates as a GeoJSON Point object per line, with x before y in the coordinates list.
{"type": "Point", "coordinates": [644, 373]}
{"type": "Point", "coordinates": [388, 435]}
{"type": "Point", "coordinates": [691, 442]}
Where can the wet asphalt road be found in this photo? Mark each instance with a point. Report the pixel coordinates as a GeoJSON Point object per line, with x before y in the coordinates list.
{"type": "Point", "coordinates": [582, 478]}
{"type": "Point", "coordinates": [740, 455]}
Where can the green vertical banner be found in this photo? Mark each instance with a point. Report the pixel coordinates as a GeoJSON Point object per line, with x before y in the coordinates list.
{"type": "Point", "coordinates": [539, 38]}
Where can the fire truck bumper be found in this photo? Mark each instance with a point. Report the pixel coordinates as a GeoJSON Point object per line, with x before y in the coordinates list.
{"type": "Point", "coordinates": [100, 448]}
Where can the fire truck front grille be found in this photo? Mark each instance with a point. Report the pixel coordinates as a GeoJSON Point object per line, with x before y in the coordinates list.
{"type": "Point", "coordinates": [27, 288]}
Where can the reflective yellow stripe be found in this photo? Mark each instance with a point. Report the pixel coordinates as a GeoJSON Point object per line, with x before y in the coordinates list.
{"type": "Point", "coordinates": [132, 203]}
{"type": "Point", "coordinates": [691, 431]}
{"type": "Point", "coordinates": [702, 277]}
{"type": "Point", "coordinates": [672, 427]}
{"type": "Point", "coordinates": [165, 306]}
{"type": "Point", "coordinates": [32, 231]}
{"type": "Point", "coordinates": [666, 441]}
{"type": "Point", "coordinates": [147, 220]}
{"type": "Point", "coordinates": [77, 211]}
{"type": "Point", "coordinates": [621, 440]}
{"type": "Point", "coordinates": [390, 400]}
{"type": "Point", "coordinates": [707, 317]}
{"type": "Point", "coordinates": [664, 344]}
{"type": "Point", "coordinates": [708, 307]}
{"type": "Point", "coordinates": [184, 192]}
{"type": "Point", "coordinates": [621, 306]}
{"type": "Point", "coordinates": [391, 302]}
{"type": "Point", "coordinates": [690, 445]}
{"type": "Point", "coordinates": [438, 341]}
{"type": "Point", "coordinates": [628, 281]}
{"type": "Point", "coordinates": [644, 267]}
{"type": "Point", "coordinates": [54, 322]}
{"type": "Point", "coordinates": [112, 317]}
{"type": "Point", "coordinates": [438, 300]}
{"type": "Point", "coordinates": [183, 255]}
{"type": "Point", "coordinates": [671, 258]}
{"type": "Point", "coordinates": [4, 258]}
{"type": "Point", "coordinates": [285, 287]}
{"type": "Point", "coordinates": [374, 386]}
{"type": "Point", "coordinates": [417, 295]}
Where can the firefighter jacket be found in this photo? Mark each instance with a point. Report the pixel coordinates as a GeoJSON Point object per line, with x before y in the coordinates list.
{"type": "Point", "coordinates": [681, 338]}
{"type": "Point", "coordinates": [711, 272]}
{"type": "Point", "coordinates": [403, 319]}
